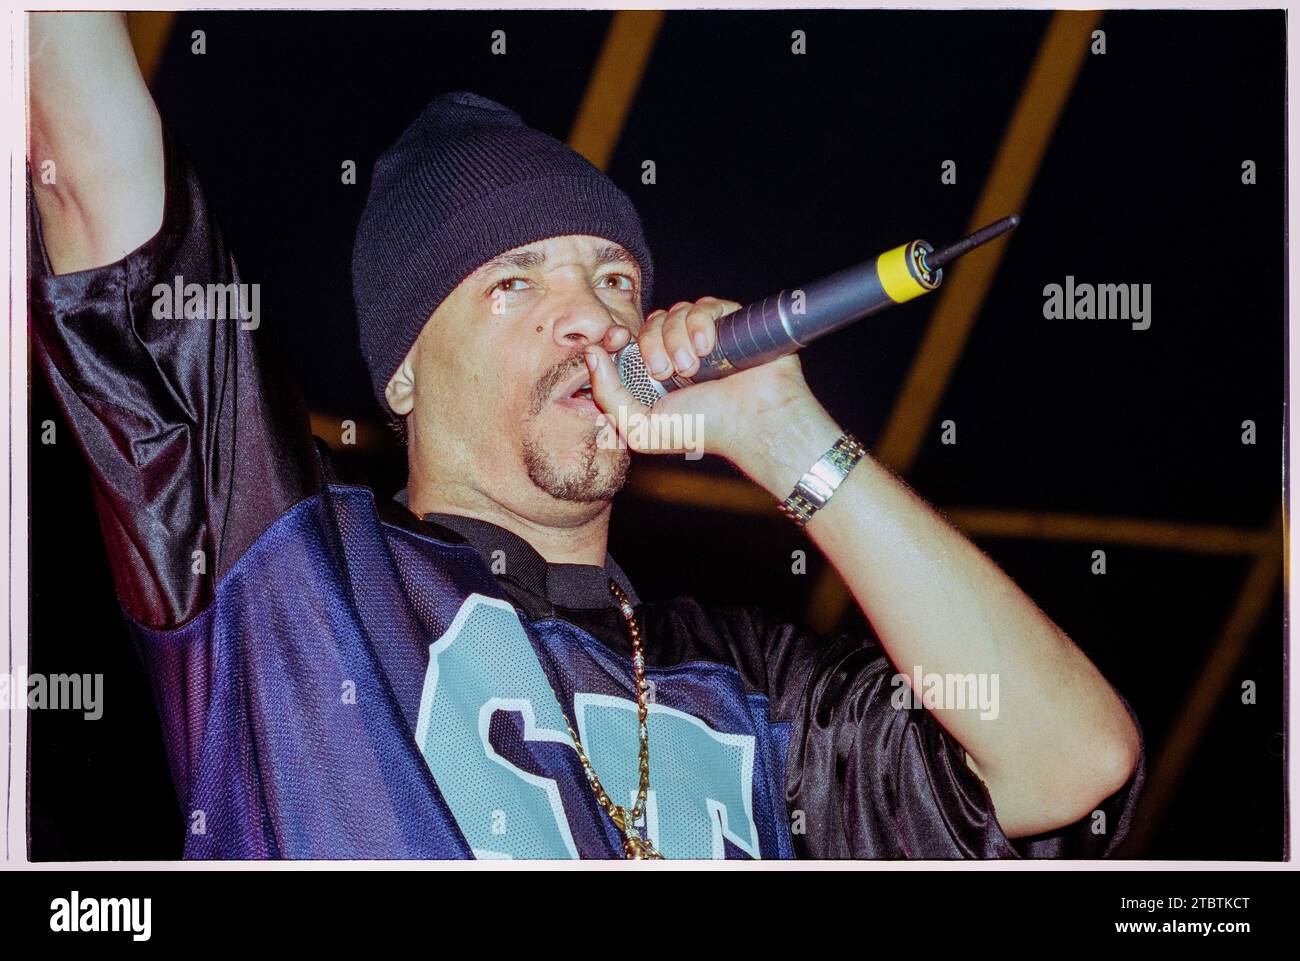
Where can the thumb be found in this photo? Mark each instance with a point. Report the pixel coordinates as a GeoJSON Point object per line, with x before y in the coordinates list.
{"type": "Point", "coordinates": [620, 409]}
{"type": "Point", "coordinates": [607, 388]}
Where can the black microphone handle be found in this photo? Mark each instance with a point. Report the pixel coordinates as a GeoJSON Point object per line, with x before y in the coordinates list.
{"type": "Point", "coordinates": [789, 320]}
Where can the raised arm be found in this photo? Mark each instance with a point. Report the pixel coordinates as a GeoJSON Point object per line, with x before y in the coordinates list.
{"type": "Point", "coordinates": [95, 143]}
{"type": "Point", "coordinates": [195, 439]}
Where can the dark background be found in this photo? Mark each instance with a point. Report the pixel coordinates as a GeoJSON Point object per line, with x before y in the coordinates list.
{"type": "Point", "coordinates": [773, 170]}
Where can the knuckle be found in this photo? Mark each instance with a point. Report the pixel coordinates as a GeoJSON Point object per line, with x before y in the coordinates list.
{"type": "Point", "coordinates": [651, 346]}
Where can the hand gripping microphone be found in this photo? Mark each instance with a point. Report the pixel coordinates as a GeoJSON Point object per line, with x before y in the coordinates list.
{"type": "Point", "coordinates": [789, 320]}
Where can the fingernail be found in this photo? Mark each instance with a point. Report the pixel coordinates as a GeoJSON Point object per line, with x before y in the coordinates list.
{"type": "Point", "coordinates": [661, 366]}
{"type": "Point", "coordinates": [701, 342]}
{"type": "Point", "coordinates": [684, 359]}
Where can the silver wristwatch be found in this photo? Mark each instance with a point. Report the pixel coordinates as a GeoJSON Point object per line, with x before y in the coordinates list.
{"type": "Point", "coordinates": [823, 479]}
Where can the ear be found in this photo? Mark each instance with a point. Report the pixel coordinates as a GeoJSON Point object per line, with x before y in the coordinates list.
{"type": "Point", "coordinates": [400, 392]}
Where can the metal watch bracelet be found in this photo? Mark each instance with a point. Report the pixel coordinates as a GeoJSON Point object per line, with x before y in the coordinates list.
{"type": "Point", "coordinates": [823, 479]}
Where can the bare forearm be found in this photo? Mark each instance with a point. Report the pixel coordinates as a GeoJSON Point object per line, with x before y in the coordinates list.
{"type": "Point", "coordinates": [1061, 740]}
{"type": "Point", "coordinates": [95, 144]}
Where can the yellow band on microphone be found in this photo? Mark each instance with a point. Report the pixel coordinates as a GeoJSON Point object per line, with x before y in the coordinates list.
{"type": "Point", "coordinates": [897, 279]}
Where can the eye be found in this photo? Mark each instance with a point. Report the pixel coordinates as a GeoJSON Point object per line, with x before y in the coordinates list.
{"type": "Point", "coordinates": [504, 285]}
{"type": "Point", "coordinates": [604, 282]}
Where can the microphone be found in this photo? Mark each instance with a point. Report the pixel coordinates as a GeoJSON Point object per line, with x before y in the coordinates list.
{"type": "Point", "coordinates": [790, 320]}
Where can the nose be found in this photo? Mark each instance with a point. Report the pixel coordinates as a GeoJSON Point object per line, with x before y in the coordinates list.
{"type": "Point", "coordinates": [581, 318]}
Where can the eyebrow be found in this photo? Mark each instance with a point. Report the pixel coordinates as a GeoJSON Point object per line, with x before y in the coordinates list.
{"type": "Point", "coordinates": [528, 259]}
{"type": "Point", "coordinates": [614, 254]}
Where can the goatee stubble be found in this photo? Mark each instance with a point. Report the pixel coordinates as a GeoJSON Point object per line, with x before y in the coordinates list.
{"type": "Point", "coordinates": [596, 475]}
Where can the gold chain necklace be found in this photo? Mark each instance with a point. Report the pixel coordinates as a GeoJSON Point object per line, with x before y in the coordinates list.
{"type": "Point", "coordinates": [636, 846]}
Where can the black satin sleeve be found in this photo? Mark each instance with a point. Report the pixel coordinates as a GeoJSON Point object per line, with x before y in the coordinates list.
{"type": "Point", "coordinates": [866, 779]}
{"type": "Point", "coordinates": [194, 437]}
{"type": "Point", "coordinates": [878, 781]}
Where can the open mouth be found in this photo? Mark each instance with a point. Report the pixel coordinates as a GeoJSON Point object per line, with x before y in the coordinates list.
{"type": "Point", "coordinates": [576, 390]}
{"type": "Point", "coordinates": [579, 401]}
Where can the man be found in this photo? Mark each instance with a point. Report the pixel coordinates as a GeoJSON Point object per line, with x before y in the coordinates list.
{"type": "Point", "coordinates": [467, 673]}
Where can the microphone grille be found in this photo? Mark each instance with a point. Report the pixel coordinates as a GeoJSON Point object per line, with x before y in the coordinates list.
{"type": "Point", "coordinates": [636, 378]}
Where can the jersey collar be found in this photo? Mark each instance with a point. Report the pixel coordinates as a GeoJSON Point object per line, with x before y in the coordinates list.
{"type": "Point", "coordinates": [512, 559]}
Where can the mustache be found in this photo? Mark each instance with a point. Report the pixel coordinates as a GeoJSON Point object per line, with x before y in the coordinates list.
{"type": "Point", "coordinates": [557, 375]}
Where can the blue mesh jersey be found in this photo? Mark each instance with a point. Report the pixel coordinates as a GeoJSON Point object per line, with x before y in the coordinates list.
{"type": "Point", "coordinates": [337, 678]}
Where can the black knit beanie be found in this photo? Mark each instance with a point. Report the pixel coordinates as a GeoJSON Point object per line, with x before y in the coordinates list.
{"type": "Point", "coordinates": [466, 181]}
